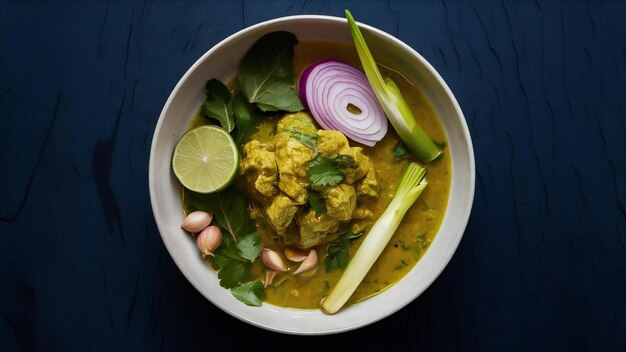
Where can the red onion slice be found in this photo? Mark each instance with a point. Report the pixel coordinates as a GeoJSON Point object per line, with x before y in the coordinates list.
{"type": "Point", "coordinates": [328, 87]}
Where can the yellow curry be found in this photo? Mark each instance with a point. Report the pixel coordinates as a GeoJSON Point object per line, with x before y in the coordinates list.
{"type": "Point", "coordinates": [271, 174]}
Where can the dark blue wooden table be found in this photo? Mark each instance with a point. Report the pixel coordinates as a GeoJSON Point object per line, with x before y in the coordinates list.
{"type": "Point", "coordinates": [541, 267]}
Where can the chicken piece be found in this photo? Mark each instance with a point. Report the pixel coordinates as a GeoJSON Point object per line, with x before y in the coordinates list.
{"type": "Point", "coordinates": [332, 143]}
{"type": "Point", "coordinates": [368, 186]}
{"type": "Point", "coordinates": [316, 229]}
{"type": "Point", "coordinates": [259, 166]}
{"type": "Point", "coordinates": [340, 201]}
{"type": "Point", "coordinates": [361, 165]}
{"type": "Point", "coordinates": [362, 213]}
{"type": "Point", "coordinates": [361, 225]}
{"type": "Point", "coordinates": [299, 121]}
{"type": "Point", "coordinates": [292, 159]}
{"type": "Point", "coordinates": [280, 213]}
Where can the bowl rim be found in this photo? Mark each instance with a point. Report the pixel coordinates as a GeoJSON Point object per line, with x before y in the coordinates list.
{"type": "Point", "coordinates": [462, 219]}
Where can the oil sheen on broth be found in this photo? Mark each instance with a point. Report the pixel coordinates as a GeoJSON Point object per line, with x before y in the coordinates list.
{"type": "Point", "coordinates": [419, 226]}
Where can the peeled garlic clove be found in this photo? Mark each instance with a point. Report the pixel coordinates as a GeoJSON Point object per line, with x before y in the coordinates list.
{"type": "Point", "coordinates": [273, 260]}
{"type": "Point", "coordinates": [269, 277]}
{"type": "Point", "coordinates": [197, 221]}
{"type": "Point", "coordinates": [308, 264]}
{"type": "Point", "coordinates": [209, 239]}
{"type": "Point", "coordinates": [295, 254]}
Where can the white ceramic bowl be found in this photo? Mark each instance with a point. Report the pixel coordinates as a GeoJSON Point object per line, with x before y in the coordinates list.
{"type": "Point", "coordinates": [221, 62]}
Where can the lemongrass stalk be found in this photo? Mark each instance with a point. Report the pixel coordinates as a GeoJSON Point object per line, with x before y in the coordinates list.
{"type": "Point", "coordinates": [391, 100]}
{"type": "Point", "coordinates": [411, 185]}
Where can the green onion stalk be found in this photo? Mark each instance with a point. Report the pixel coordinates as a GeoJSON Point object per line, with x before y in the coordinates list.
{"type": "Point", "coordinates": [411, 185]}
{"type": "Point", "coordinates": [398, 111]}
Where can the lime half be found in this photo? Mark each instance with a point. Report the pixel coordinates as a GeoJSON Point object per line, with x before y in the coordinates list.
{"type": "Point", "coordinates": [206, 159]}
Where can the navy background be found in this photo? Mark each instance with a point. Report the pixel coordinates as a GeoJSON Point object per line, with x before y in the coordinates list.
{"type": "Point", "coordinates": [541, 267]}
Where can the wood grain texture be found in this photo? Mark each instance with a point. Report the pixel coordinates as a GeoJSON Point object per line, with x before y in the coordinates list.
{"type": "Point", "coordinates": [541, 267]}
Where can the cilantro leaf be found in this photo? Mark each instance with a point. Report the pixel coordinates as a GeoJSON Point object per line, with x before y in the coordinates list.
{"type": "Point", "coordinates": [400, 150]}
{"type": "Point", "coordinates": [227, 252]}
{"type": "Point", "coordinates": [316, 202]}
{"type": "Point", "coordinates": [345, 161]}
{"type": "Point", "coordinates": [337, 252]}
{"type": "Point", "coordinates": [234, 259]}
{"type": "Point", "coordinates": [324, 172]}
{"type": "Point", "coordinates": [251, 293]}
{"type": "Point", "coordinates": [249, 246]}
{"type": "Point", "coordinates": [266, 73]}
{"type": "Point", "coordinates": [233, 273]}
{"type": "Point", "coordinates": [337, 256]}
{"type": "Point", "coordinates": [217, 104]}
{"type": "Point", "coordinates": [247, 118]}
{"type": "Point", "coordinates": [308, 139]}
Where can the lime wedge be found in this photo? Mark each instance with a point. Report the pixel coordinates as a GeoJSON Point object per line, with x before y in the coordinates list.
{"type": "Point", "coordinates": [206, 159]}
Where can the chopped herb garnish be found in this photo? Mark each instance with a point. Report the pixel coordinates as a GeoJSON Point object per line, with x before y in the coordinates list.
{"type": "Point", "coordinates": [345, 161]}
{"type": "Point", "coordinates": [316, 202]}
{"type": "Point", "coordinates": [308, 139]}
{"type": "Point", "coordinates": [324, 172]}
{"type": "Point", "coordinates": [337, 253]}
{"type": "Point", "coordinates": [337, 256]}
{"type": "Point", "coordinates": [400, 150]}
{"type": "Point", "coordinates": [422, 240]}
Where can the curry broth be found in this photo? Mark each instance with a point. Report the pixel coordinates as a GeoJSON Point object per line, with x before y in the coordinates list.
{"type": "Point", "coordinates": [417, 229]}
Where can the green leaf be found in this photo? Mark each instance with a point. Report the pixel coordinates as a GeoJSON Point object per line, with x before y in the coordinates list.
{"type": "Point", "coordinates": [337, 256]}
{"type": "Point", "coordinates": [233, 273]}
{"type": "Point", "coordinates": [266, 73]}
{"type": "Point", "coordinates": [324, 172]}
{"type": "Point", "coordinates": [217, 104]}
{"type": "Point", "coordinates": [251, 293]}
{"type": "Point", "coordinates": [345, 161]}
{"type": "Point", "coordinates": [249, 246]}
{"type": "Point", "coordinates": [227, 252]}
{"type": "Point", "coordinates": [308, 139]}
{"type": "Point", "coordinates": [230, 211]}
{"type": "Point", "coordinates": [247, 118]}
{"type": "Point", "coordinates": [316, 202]}
{"type": "Point", "coordinates": [400, 150]}
{"type": "Point", "coordinates": [337, 253]}
{"type": "Point", "coordinates": [229, 257]}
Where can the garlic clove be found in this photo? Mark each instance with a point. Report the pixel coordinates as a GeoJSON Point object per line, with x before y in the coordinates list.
{"type": "Point", "coordinates": [197, 221]}
{"type": "Point", "coordinates": [209, 240]}
{"type": "Point", "coordinates": [308, 264]}
{"type": "Point", "coordinates": [273, 260]}
{"type": "Point", "coordinates": [269, 277]}
{"type": "Point", "coordinates": [296, 254]}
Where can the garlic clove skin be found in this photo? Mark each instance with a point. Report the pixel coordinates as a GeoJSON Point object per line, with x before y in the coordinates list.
{"type": "Point", "coordinates": [273, 260]}
{"type": "Point", "coordinates": [269, 277]}
{"type": "Point", "coordinates": [308, 264]}
{"type": "Point", "coordinates": [209, 240]}
{"type": "Point", "coordinates": [197, 221]}
{"type": "Point", "coordinates": [296, 254]}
